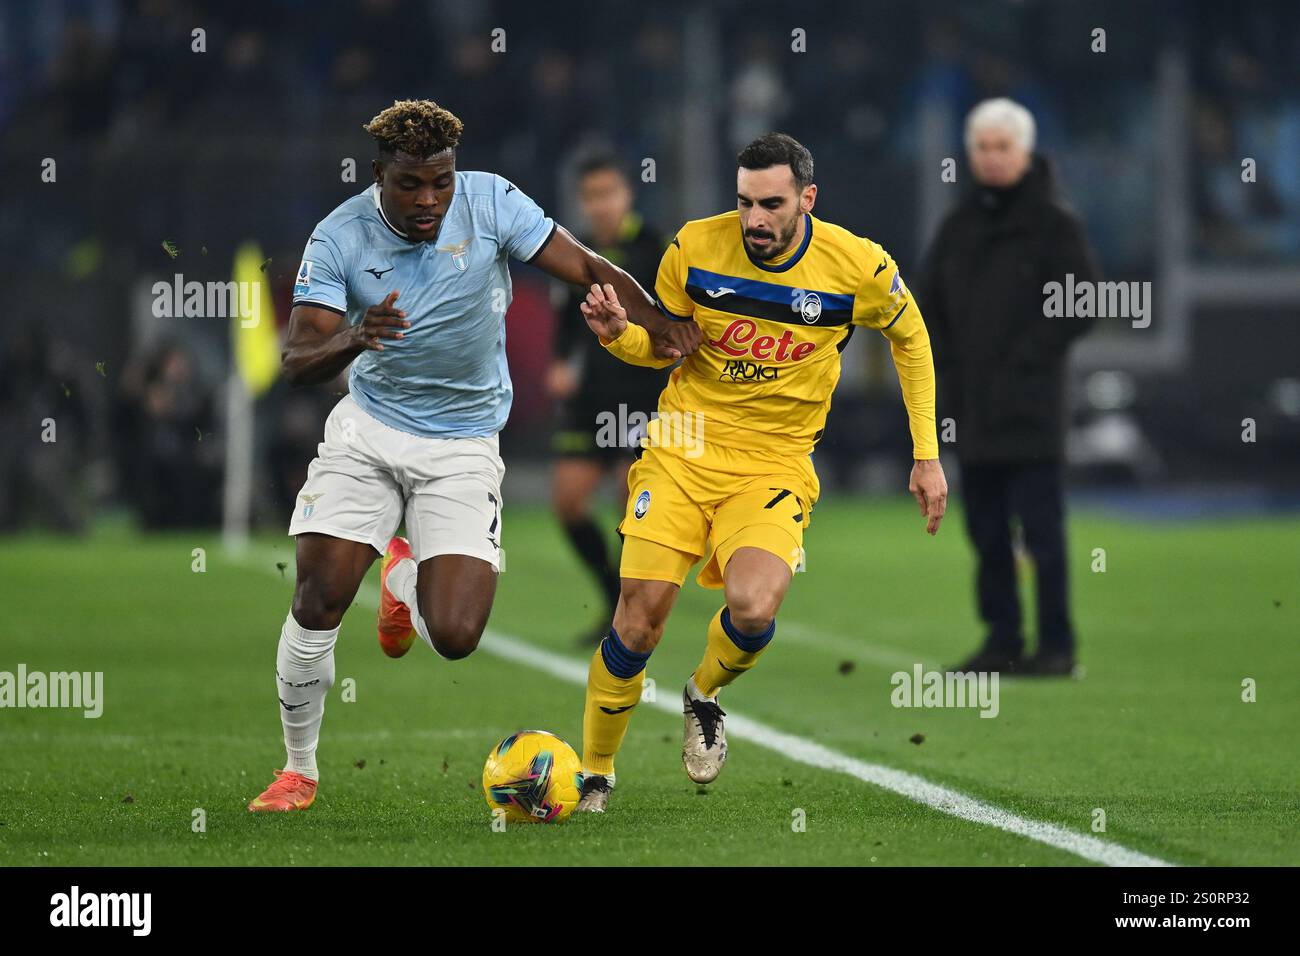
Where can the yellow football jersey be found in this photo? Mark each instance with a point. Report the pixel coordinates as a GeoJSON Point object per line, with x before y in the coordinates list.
{"type": "Point", "coordinates": [774, 330]}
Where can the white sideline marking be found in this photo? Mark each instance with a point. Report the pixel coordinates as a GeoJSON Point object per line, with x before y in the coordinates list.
{"type": "Point", "coordinates": [801, 633]}
{"type": "Point", "coordinates": [802, 750]}
{"type": "Point", "coordinates": [808, 752]}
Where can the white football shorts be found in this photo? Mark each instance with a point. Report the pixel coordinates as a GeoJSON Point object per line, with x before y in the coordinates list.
{"type": "Point", "coordinates": [367, 477]}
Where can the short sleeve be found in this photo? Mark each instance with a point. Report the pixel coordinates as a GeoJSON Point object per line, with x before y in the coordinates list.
{"type": "Point", "coordinates": [321, 278]}
{"type": "Point", "coordinates": [523, 230]}
{"type": "Point", "coordinates": [882, 298]}
{"type": "Point", "coordinates": [670, 283]}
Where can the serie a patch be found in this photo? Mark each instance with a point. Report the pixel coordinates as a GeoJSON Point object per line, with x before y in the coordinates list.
{"type": "Point", "coordinates": [302, 283]}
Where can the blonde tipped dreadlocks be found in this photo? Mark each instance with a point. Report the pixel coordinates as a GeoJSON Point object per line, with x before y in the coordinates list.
{"type": "Point", "coordinates": [415, 127]}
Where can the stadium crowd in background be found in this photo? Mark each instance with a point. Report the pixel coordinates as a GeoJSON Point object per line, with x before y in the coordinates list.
{"type": "Point", "coordinates": [156, 140]}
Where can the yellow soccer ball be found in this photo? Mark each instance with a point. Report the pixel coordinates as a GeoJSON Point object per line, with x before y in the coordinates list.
{"type": "Point", "coordinates": [534, 776]}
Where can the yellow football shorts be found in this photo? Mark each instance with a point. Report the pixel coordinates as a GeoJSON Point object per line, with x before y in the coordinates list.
{"type": "Point", "coordinates": [681, 508]}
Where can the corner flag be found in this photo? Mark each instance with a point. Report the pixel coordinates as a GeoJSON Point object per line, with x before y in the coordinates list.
{"type": "Point", "coordinates": [254, 337]}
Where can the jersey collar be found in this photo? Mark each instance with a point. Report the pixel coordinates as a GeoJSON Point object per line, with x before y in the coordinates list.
{"type": "Point", "coordinates": [379, 208]}
{"type": "Point", "coordinates": [789, 263]}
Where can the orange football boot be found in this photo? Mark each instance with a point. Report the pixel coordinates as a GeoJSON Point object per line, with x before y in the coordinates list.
{"type": "Point", "coordinates": [396, 633]}
{"type": "Point", "coordinates": [291, 791]}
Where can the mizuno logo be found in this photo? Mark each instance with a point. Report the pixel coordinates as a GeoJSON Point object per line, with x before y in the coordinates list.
{"type": "Point", "coordinates": [380, 273]}
{"type": "Point", "coordinates": [510, 187]}
{"type": "Point", "coordinates": [314, 239]}
{"type": "Point", "coordinates": [715, 293]}
{"type": "Point", "coordinates": [291, 707]}
{"type": "Point", "coordinates": [732, 670]}
{"type": "Point", "coordinates": [617, 710]}
{"type": "Point", "coordinates": [880, 268]}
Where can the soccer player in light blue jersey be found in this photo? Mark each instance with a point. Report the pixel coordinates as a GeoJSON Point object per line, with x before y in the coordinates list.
{"type": "Point", "coordinates": [408, 284]}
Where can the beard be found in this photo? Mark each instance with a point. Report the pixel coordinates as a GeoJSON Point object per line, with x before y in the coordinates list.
{"type": "Point", "coordinates": [780, 245]}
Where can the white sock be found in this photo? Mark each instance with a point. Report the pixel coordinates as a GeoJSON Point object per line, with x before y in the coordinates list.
{"type": "Point", "coordinates": [402, 578]}
{"type": "Point", "coordinates": [693, 691]}
{"type": "Point", "coordinates": [304, 673]}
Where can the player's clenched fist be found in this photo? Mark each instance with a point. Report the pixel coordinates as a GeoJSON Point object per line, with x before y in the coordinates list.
{"type": "Point", "coordinates": [674, 339]}
{"type": "Point", "coordinates": [382, 321]}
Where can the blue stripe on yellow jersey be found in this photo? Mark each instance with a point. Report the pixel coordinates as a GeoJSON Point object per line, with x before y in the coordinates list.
{"type": "Point", "coordinates": [772, 300]}
{"type": "Point", "coordinates": [773, 333]}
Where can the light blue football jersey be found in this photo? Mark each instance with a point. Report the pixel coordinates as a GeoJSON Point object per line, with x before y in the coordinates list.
{"type": "Point", "coordinates": [447, 378]}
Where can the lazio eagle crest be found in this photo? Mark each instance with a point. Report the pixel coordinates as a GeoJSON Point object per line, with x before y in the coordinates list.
{"type": "Point", "coordinates": [459, 254]}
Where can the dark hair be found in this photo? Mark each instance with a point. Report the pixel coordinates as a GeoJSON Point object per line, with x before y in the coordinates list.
{"type": "Point", "coordinates": [418, 128]}
{"type": "Point", "coordinates": [599, 163]}
{"type": "Point", "coordinates": [778, 149]}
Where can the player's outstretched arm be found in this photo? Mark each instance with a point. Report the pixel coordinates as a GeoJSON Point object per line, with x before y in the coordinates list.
{"type": "Point", "coordinates": [606, 317]}
{"type": "Point", "coordinates": [567, 259]}
{"type": "Point", "coordinates": [321, 343]}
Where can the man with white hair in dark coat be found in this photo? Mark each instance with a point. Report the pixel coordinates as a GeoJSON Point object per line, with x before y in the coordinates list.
{"type": "Point", "coordinates": [1001, 364]}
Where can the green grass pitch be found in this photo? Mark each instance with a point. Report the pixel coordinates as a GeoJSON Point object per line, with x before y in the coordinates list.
{"type": "Point", "coordinates": [1156, 734]}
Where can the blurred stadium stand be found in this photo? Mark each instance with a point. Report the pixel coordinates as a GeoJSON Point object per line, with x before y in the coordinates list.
{"type": "Point", "coordinates": [154, 142]}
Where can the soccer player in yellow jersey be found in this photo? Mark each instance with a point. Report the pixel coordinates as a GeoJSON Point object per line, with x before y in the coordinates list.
{"type": "Point", "coordinates": [726, 471]}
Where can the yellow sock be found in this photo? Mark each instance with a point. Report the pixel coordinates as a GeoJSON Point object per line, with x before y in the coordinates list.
{"type": "Point", "coordinates": [728, 654]}
{"type": "Point", "coordinates": [613, 688]}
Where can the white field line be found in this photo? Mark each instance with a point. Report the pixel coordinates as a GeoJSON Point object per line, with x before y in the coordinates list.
{"type": "Point", "coordinates": [805, 751]}
{"type": "Point", "coordinates": [889, 657]}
